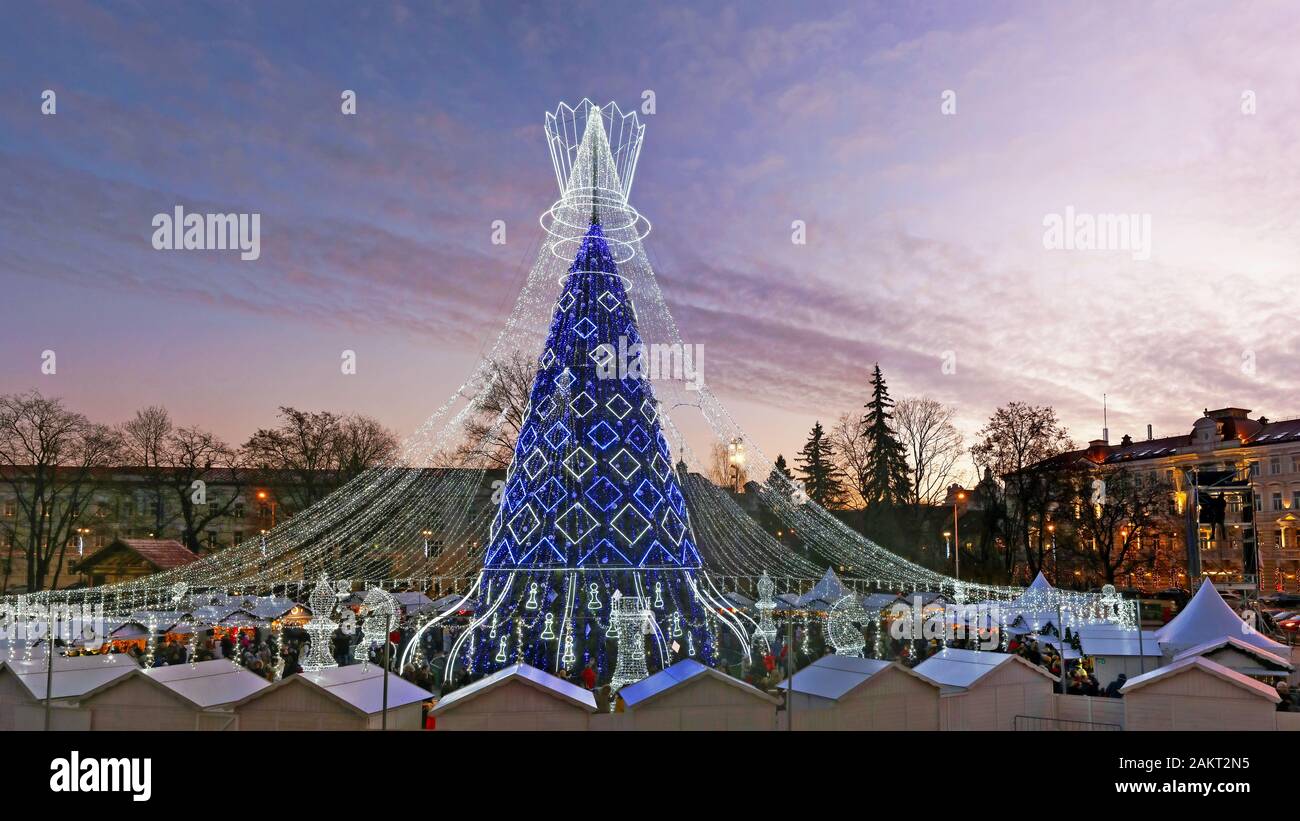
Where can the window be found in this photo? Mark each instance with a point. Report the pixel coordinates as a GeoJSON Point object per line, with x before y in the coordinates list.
{"type": "Point", "coordinates": [239, 510]}
{"type": "Point", "coordinates": [128, 510]}
{"type": "Point", "coordinates": [239, 536]}
{"type": "Point", "coordinates": [1254, 469]}
{"type": "Point", "coordinates": [1295, 500]}
{"type": "Point", "coordinates": [1295, 463]}
{"type": "Point", "coordinates": [1277, 500]}
{"type": "Point", "coordinates": [1275, 465]}
{"type": "Point", "coordinates": [1259, 502]}
{"type": "Point", "coordinates": [11, 509]}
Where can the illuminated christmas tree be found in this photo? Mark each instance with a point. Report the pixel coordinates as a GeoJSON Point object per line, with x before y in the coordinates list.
{"type": "Point", "coordinates": [591, 505]}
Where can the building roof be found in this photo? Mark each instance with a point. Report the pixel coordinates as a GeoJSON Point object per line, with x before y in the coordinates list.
{"type": "Point", "coordinates": [208, 683]}
{"type": "Point", "coordinates": [1207, 617]}
{"type": "Point", "coordinates": [1237, 644]}
{"type": "Point", "coordinates": [529, 675]}
{"type": "Point", "coordinates": [1236, 426]}
{"type": "Point", "coordinates": [685, 671]}
{"type": "Point", "coordinates": [162, 554]}
{"type": "Point", "coordinates": [1212, 667]}
{"type": "Point", "coordinates": [833, 677]}
{"type": "Point", "coordinates": [955, 669]}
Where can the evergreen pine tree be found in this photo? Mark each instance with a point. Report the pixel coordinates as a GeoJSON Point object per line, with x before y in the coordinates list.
{"type": "Point", "coordinates": [886, 479]}
{"type": "Point", "coordinates": [821, 478]}
{"type": "Point", "coordinates": [782, 467]}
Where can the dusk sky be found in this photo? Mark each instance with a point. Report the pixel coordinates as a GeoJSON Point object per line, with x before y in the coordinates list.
{"type": "Point", "coordinates": [925, 230]}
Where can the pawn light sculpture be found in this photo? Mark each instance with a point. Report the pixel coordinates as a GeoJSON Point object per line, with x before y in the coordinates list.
{"type": "Point", "coordinates": [320, 628]}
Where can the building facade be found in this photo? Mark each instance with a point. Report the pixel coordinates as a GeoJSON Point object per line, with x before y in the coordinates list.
{"type": "Point", "coordinates": [1249, 466]}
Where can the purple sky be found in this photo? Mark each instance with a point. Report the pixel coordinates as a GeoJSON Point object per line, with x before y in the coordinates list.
{"type": "Point", "coordinates": [924, 230]}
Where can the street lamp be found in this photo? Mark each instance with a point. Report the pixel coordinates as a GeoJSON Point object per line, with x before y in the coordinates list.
{"type": "Point", "coordinates": [947, 545]}
{"type": "Point", "coordinates": [263, 497]}
{"type": "Point", "coordinates": [956, 534]}
{"type": "Point", "coordinates": [426, 534]}
{"type": "Point", "coordinates": [736, 456]}
{"type": "Point", "coordinates": [1056, 564]}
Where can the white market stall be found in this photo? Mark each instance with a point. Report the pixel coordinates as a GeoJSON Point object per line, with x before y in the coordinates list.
{"type": "Point", "coordinates": [1195, 693]}
{"type": "Point", "coordinates": [986, 691]}
{"type": "Point", "coordinates": [691, 696]}
{"type": "Point", "coordinates": [849, 693]}
{"type": "Point", "coordinates": [518, 697]}
{"type": "Point", "coordinates": [336, 698]}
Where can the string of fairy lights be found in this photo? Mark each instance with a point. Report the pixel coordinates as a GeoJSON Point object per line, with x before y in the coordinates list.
{"type": "Point", "coordinates": [424, 521]}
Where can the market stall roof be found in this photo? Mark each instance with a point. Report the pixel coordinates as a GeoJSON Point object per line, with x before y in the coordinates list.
{"type": "Point", "coordinates": [955, 669]}
{"type": "Point", "coordinates": [129, 630]}
{"type": "Point", "coordinates": [1052, 641]}
{"type": "Point", "coordinates": [879, 601]}
{"type": "Point", "coordinates": [73, 676]}
{"type": "Point", "coordinates": [1207, 617]}
{"type": "Point", "coordinates": [827, 591]}
{"type": "Point", "coordinates": [1212, 667]}
{"type": "Point", "coordinates": [739, 600]}
{"type": "Point", "coordinates": [451, 600]}
{"type": "Point", "coordinates": [1246, 647]}
{"type": "Point", "coordinates": [159, 617]}
{"type": "Point", "coordinates": [648, 689]}
{"type": "Point", "coordinates": [209, 683]}
{"type": "Point", "coordinates": [160, 554]}
{"type": "Point", "coordinates": [833, 677]}
{"type": "Point", "coordinates": [927, 597]}
{"type": "Point", "coordinates": [413, 601]}
{"type": "Point", "coordinates": [1105, 639]}
{"type": "Point", "coordinates": [362, 687]}
{"type": "Point", "coordinates": [527, 674]}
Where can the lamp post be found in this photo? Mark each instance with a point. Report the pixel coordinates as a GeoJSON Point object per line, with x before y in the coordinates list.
{"type": "Point", "coordinates": [262, 496]}
{"type": "Point", "coordinates": [736, 457]}
{"type": "Point", "coordinates": [947, 544]}
{"type": "Point", "coordinates": [1056, 564]}
{"type": "Point", "coordinates": [956, 533]}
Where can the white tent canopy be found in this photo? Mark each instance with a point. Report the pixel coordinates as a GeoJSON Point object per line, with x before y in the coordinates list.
{"type": "Point", "coordinates": [1207, 618]}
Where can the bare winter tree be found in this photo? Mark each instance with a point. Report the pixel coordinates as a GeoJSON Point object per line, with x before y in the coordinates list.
{"type": "Point", "coordinates": [1017, 444]}
{"type": "Point", "coordinates": [192, 456]}
{"type": "Point", "coordinates": [1118, 515]}
{"type": "Point", "coordinates": [48, 457]}
{"type": "Point", "coordinates": [312, 453]}
{"type": "Point", "coordinates": [933, 443]}
{"type": "Point", "coordinates": [852, 455]}
{"type": "Point", "coordinates": [363, 443]}
{"type": "Point", "coordinates": [491, 432]}
{"type": "Point", "coordinates": [144, 446]}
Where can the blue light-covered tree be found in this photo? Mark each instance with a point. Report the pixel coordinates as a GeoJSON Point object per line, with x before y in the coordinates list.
{"type": "Point", "coordinates": [591, 503]}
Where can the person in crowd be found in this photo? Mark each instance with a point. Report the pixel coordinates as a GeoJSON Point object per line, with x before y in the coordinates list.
{"type": "Point", "coordinates": [589, 675]}
{"type": "Point", "coordinates": [1112, 689]}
